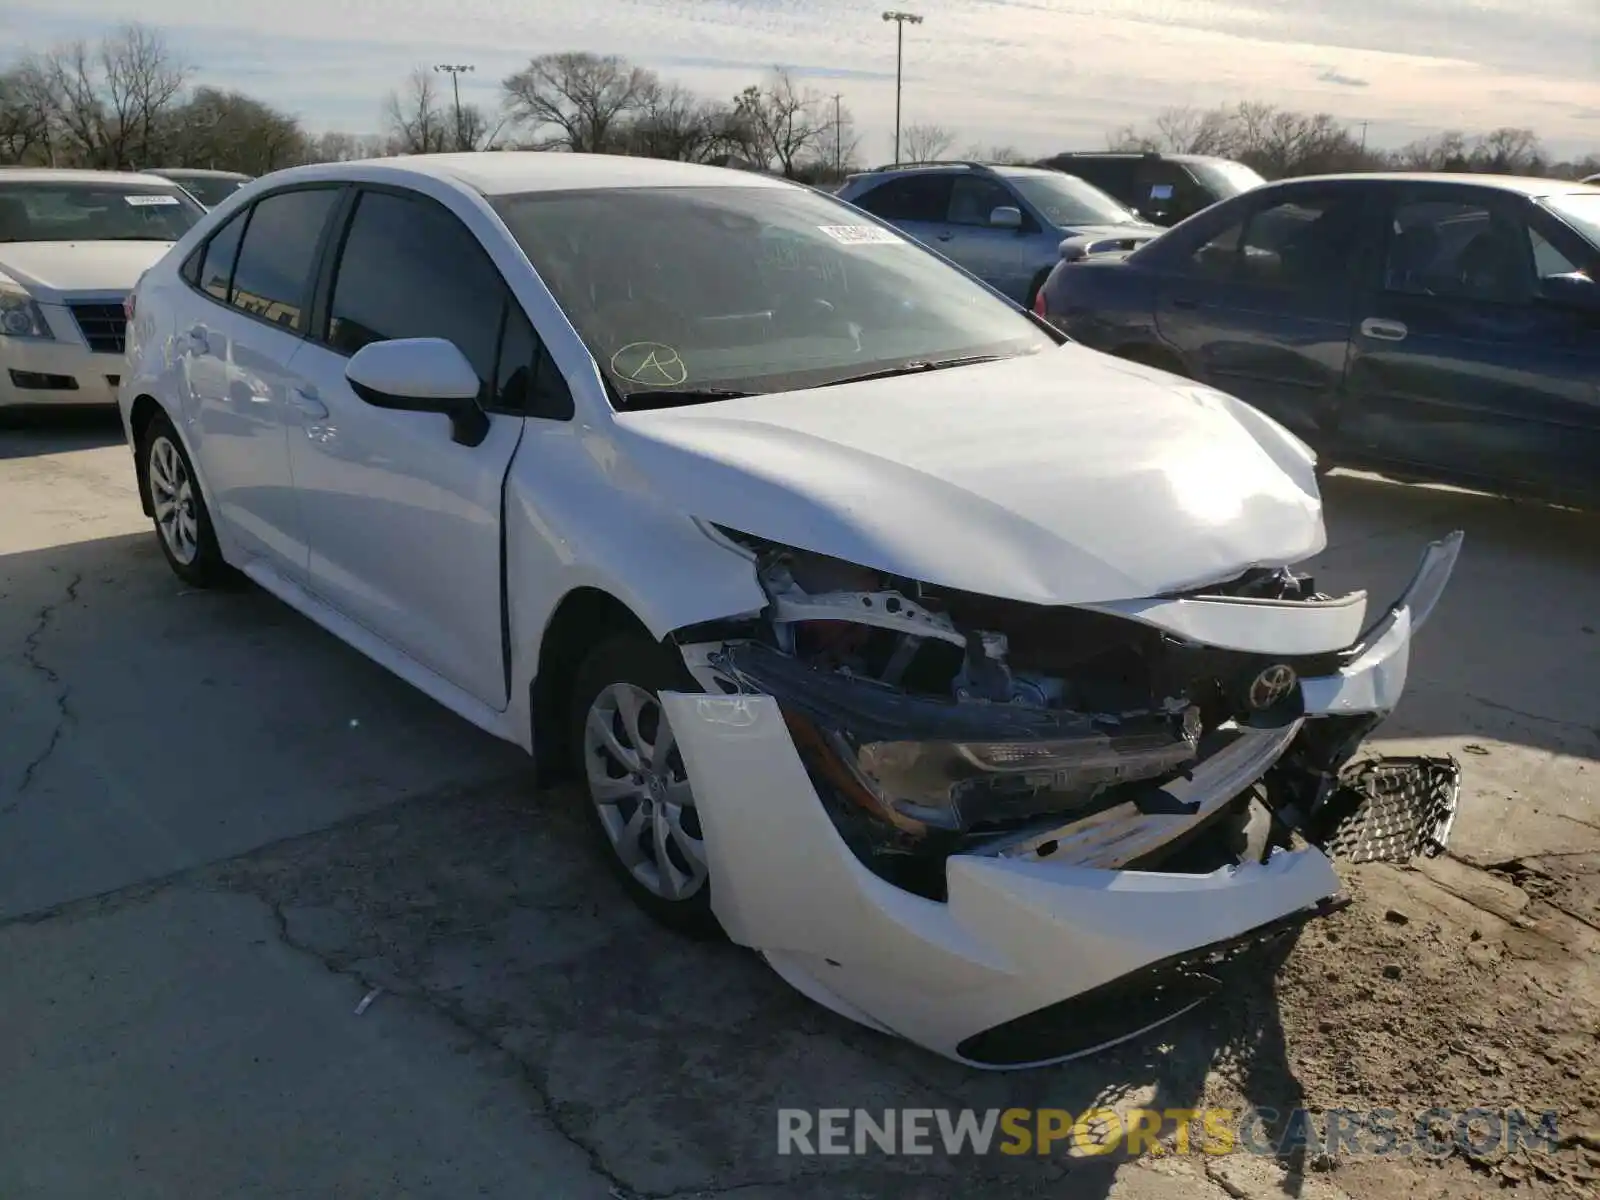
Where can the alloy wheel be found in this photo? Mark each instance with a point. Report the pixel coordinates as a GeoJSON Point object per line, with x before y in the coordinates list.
{"type": "Point", "coordinates": [173, 500]}
{"type": "Point", "coordinates": [641, 792]}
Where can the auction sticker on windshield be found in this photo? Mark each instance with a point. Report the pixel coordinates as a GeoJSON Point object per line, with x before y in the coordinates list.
{"type": "Point", "coordinates": [861, 235]}
{"type": "Point", "coordinates": [147, 201]}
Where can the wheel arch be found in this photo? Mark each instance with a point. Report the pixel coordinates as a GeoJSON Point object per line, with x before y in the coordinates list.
{"type": "Point", "coordinates": [144, 410]}
{"type": "Point", "coordinates": [583, 618]}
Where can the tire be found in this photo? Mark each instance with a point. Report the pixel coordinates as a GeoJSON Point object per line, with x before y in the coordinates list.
{"type": "Point", "coordinates": [182, 522]}
{"type": "Point", "coordinates": [634, 812]}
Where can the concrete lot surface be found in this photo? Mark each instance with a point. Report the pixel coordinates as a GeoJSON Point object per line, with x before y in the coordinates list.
{"type": "Point", "coordinates": [221, 831]}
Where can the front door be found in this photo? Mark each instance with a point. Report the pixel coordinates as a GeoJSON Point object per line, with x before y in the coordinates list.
{"type": "Point", "coordinates": [1262, 308]}
{"type": "Point", "coordinates": [1005, 259]}
{"type": "Point", "coordinates": [237, 339]}
{"type": "Point", "coordinates": [403, 523]}
{"type": "Point", "coordinates": [1461, 367]}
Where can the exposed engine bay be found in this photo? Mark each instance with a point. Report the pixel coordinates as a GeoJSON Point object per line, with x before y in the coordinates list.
{"type": "Point", "coordinates": [935, 722]}
{"type": "Point", "coordinates": [1016, 834]}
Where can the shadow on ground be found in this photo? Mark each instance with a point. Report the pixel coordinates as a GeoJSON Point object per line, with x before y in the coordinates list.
{"type": "Point", "coordinates": [26, 433]}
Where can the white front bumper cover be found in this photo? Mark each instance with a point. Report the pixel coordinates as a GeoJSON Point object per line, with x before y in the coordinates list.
{"type": "Point", "coordinates": [1018, 933]}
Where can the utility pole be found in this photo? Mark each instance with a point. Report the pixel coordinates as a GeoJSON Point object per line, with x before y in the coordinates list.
{"type": "Point", "coordinates": [455, 71]}
{"type": "Point", "coordinates": [900, 19]}
{"type": "Point", "coordinates": [1363, 137]}
{"type": "Point", "coordinates": [838, 135]}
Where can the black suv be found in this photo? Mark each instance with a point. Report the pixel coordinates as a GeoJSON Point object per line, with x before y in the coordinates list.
{"type": "Point", "coordinates": [1161, 188]}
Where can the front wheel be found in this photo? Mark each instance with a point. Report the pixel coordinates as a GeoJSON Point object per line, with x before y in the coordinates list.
{"type": "Point", "coordinates": [183, 523]}
{"type": "Point", "coordinates": [639, 800]}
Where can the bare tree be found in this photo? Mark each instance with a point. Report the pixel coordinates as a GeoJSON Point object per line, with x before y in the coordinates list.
{"type": "Point", "coordinates": [781, 123]}
{"type": "Point", "coordinates": [1509, 151]}
{"type": "Point", "coordinates": [1006, 154]}
{"type": "Point", "coordinates": [415, 117]}
{"type": "Point", "coordinates": [231, 131]}
{"type": "Point", "coordinates": [25, 117]}
{"type": "Point", "coordinates": [582, 97]}
{"type": "Point", "coordinates": [672, 122]}
{"type": "Point", "coordinates": [926, 142]}
{"type": "Point", "coordinates": [108, 104]}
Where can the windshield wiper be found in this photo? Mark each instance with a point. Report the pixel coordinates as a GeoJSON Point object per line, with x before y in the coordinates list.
{"type": "Point", "coordinates": [918, 366]}
{"type": "Point", "coordinates": [671, 397]}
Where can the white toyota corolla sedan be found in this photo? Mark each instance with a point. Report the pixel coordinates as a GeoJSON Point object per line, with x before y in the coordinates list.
{"type": "Point", "coordinates": [961, 671]}
{"type": "Point", "coordinates": [72, 244]}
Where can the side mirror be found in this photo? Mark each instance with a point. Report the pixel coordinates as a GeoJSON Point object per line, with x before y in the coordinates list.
{"type": "Point", "coordinates": [421, 375]}
{"type": "Point", "coordinates": [1006, 217]}
{"type": "Point", "coordinates": [1572, 290]}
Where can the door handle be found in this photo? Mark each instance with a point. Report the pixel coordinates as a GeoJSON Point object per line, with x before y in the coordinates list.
{"type": "Point", "coordinates": [305, 399]}
{"type": "Point", "coordinates": [1383, 331]}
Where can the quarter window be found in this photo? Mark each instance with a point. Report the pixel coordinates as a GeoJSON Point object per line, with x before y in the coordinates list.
{"type": "Point", "coordinates": [216, 260]}
{"type": "Point", "coordinates": [272, 278]}
{"type": "Point", "coordinates": [917, 198]}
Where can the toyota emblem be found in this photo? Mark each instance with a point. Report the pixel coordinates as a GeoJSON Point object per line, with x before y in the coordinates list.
{"type": "Point", "coordinates": [1271, 686]}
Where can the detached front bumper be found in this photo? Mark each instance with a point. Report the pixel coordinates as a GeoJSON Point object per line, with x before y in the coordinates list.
{"type": "Point", "coordinates": [1029, 929]}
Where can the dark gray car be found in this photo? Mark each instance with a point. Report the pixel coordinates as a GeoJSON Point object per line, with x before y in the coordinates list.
{"type": "Point", "coordinates": [211, 188]}
{"type": "Point", "coordinates": [1003, 224]}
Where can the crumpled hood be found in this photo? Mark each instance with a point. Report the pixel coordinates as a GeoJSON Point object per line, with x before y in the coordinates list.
{"type": "Point", "coordinates": [48, 269]}
{"type": "Point", "coordinates": [1067, 477]}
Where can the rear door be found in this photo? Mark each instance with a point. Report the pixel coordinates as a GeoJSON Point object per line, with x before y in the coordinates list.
{"type": "Point", "coordinates": [1259, 300]}
{"type": "Point", "coordinates": [249, 310]}
{"type": "Point", "coordinates": [1459, 367]}
{"type": "Point", "coordinates": [404, 523]}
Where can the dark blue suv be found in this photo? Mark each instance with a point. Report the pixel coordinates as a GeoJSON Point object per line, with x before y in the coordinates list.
{"type": "Point", "coordinates": [1003, 224]}
{"type": "Point", "coordinates": [1442, 327]}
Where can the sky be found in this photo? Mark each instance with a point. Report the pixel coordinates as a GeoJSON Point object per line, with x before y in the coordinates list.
{"type": "Point", "coordinates": [1040, 75]}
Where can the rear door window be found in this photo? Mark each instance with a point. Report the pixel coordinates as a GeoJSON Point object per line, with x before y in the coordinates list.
{"type": "Point", "coordinates": [915, 198]}
{"type": "Point", "coordinates": [272, 278]}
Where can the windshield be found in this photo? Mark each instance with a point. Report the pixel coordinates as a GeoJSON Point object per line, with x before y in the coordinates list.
{"type": "Point", "coordinates": [211, 190]}
{"type": "Point", "coordinates": [1225, 178]}
{"type": "Point", "coordinates": [682, 293]}
{"type": "Point", "coordinates": [94, 212]}
{"type": "Point", "coordinates": [1581, 210]}
{"type": "Point", "coordinates": [1068, 200]}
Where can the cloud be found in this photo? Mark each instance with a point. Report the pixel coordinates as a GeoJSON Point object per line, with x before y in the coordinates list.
{"type": "Point", "coordinates": [1333, 76]}
{"type": "Point", "coordinates": [1039, 74]}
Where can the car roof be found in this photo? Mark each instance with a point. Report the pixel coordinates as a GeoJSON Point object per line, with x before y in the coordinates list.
{"type": "Point", "coordinates": [1156, 154]}
{"type": "Point", "coordinates": [505, 172]}
{"type": "Point", "coordinates": [195, 173]}
{"type": "Point", "coordinates": [1522, 185]}
{"type": "Point", "coordinates": [69, 175]}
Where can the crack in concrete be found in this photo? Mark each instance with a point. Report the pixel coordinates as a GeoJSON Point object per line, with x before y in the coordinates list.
{"type": "Point", "coordinates": [1591, 730]}
{"type": "Point", "coordinates": [30, 655]}
{"type": "Point", "coordinates": [456, 1017]}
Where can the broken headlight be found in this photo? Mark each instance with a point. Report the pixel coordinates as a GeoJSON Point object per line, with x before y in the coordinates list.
{"type": "Point", "coordinates": [968, 785]}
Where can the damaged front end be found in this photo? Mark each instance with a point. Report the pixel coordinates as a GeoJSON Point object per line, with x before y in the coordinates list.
{"type": "Point", "coordinates": [978, 823]}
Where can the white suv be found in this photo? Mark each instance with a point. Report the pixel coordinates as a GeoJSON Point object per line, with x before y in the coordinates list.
{"type": "Point", "coordinates": [956, 668]}
{"type": "Point", "coordinates": [72, 245]}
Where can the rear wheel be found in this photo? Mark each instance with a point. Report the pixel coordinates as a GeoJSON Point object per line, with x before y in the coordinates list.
{"type": "Point", "coordinates": [640, 804]}
{"type": "Point", "coordinates": [183, 523]}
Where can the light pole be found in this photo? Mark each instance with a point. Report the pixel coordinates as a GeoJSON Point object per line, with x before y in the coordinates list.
{"type": "Point", "coordinates": [899, 19]}
{"type": "Point", "coordinates": [838, 135]}
{"type": "Point", "coordinates": [455, 71]}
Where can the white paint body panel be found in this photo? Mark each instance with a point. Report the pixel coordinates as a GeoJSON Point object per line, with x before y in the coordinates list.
{"type": "Point", "coordinates": [1067, 477]}
{"type": "Point", "coordinates": [1014, 937]}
